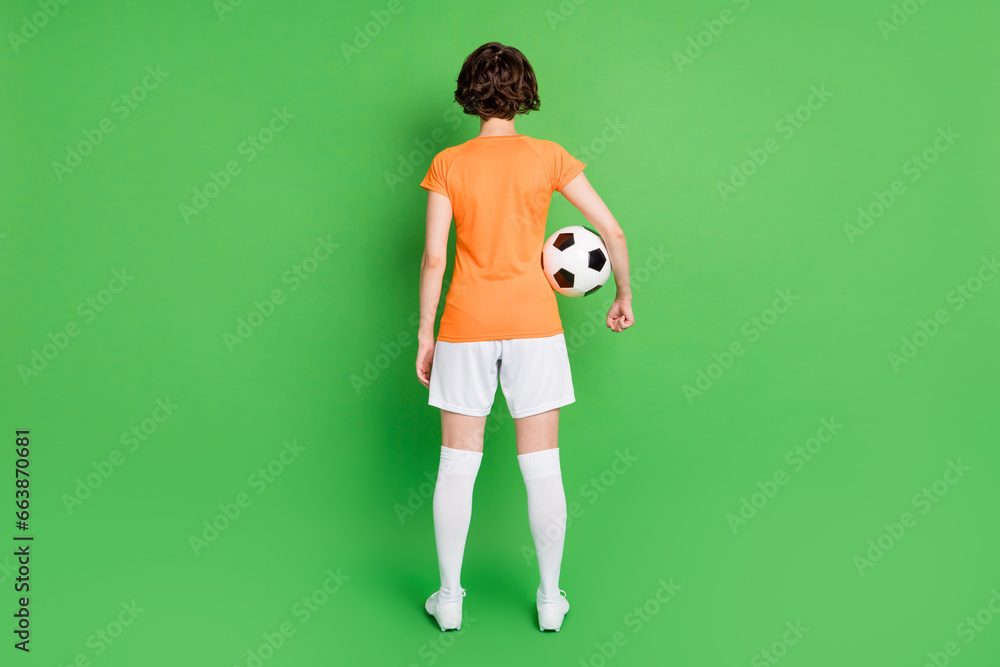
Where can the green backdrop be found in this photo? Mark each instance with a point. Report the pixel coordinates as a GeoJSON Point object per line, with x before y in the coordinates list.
{"type": "Point", "coordinates": [209, 244]}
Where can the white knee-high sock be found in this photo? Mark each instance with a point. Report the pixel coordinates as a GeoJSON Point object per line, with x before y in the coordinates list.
{"type": "Point", "coordinates": [452, 506]}
{"type": "Point", "coordinates": [546, 514]}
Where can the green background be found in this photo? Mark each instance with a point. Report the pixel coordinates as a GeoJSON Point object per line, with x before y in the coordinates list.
{"type": "Point", "coordinates": [369, 446]}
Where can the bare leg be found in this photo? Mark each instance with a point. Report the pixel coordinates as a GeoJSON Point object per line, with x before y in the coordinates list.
{"type": "Point", "coordinates": [537, 432]}
{"type": "Point", "coordinates": [462, 431]}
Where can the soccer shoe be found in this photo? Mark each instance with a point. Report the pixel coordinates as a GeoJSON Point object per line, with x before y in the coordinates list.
{"type": "Point", "coordinates": [551, 612]}
{"type": "Point", "coordinates": [448, 614]}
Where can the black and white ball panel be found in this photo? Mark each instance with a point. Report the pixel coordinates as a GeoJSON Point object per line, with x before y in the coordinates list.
{"type": "Point", "coordinates": [575, 261]}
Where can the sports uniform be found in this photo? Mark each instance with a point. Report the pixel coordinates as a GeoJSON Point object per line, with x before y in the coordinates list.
{"type": "Point", "coordinates": [501, 320]}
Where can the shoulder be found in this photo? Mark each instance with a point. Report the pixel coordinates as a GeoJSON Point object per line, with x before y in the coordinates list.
{"type": "Point", "coordinates": [545, 145]}
{"type": "Point", "coordinates": [547, 149]}
{"type": "Point", "coordinates": [447, 155]}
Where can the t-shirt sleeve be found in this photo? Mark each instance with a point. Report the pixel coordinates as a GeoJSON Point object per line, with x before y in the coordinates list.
{"type": "Point", "coordinates": [436, 176]}
{"type": "Point", "coordinates": [565, 167]}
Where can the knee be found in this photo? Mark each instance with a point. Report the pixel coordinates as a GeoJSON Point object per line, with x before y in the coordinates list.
{"type": "Point", "coordinates": [472, 442]}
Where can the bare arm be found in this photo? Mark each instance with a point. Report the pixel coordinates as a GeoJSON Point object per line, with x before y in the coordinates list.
{"type": "Point", "coordinates": [582, 195]}
{"type": "Point", "coordinates": [432, 268]}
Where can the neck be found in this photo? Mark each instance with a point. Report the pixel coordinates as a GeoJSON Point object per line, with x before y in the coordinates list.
{"type": "Point", "coordinates": [493, 127]}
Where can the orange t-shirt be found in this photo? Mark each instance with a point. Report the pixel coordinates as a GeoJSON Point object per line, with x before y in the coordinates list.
{"type": "Point", "coordinates": [500, 188]}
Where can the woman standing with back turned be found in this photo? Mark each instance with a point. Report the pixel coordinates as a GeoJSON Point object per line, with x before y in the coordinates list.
{"type": "Point", "coordinates": [500, 318]}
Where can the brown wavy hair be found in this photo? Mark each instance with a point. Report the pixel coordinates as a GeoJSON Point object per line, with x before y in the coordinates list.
{"type": "Point", "coordinates": [497, 81]}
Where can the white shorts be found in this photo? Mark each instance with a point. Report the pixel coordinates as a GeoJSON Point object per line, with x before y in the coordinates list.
{"type": "Point", "coordinates": [534, 375]}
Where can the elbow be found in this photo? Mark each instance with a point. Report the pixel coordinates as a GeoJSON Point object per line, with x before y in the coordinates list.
{"type": "Point", "coordinates": [618, 234]}
{"type": "Point", "coordinates": [432, 262]}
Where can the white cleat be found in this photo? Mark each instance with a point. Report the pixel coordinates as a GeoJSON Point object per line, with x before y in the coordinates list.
{"type": "Point", "coordinates": [448, 614]}
{"type": "Point", "coordinates": [551, 611]}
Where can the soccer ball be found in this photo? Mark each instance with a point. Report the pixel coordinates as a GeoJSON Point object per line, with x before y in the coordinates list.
{"type": "Point", "coordinates": [575, 261]}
